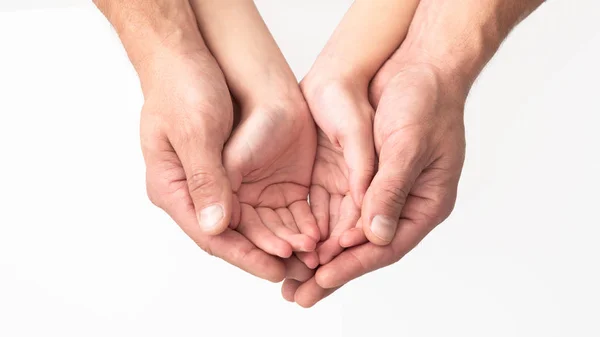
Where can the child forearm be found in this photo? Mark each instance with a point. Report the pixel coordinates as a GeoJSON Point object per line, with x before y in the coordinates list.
{"type": "Point", "coordinates": [368, 34]}
{"type": "Point", "coordinates": [237, 36]}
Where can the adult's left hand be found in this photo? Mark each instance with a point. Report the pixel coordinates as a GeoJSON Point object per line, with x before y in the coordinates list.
{"type": "Point", "coordinates": [419, 137]}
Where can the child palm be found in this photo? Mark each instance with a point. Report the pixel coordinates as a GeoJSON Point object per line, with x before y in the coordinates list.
{"type": "Point", "coordinates": [269, 160]}
{"type": "Point", "coordinates": [344, 163]}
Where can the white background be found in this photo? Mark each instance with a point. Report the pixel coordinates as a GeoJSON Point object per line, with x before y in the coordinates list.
{"type": "Point", "coordinates": [83, 253]}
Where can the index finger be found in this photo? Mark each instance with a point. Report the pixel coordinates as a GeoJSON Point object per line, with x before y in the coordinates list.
{"type": "Point", "coordinates": [230, 245]}
{"type": "Point", "coordinates": [363, 259]}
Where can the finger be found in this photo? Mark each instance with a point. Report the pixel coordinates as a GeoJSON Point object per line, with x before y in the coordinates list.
{"type": "Point", "coordinates": [273, 222]}
{"type": "Point", "coordinates": [334, 212]}
{"type": "Point", "coordinates": [235, 213]}
{"type": "Point", "coordinates": [287, 218]}
{"type": "Point", "coordinates": [310, 293]}
{"type": "Point", "coordinates": [353, 237]}
{"type": "Point", "coordinates": [252, 227]}
{"type": "Point", "coordinates": [348, 217]}
{"type": "Point", "coordinates": [359, 155]}
{"type": "Point", "coordinates": [230, 245]}
{"type": "Point", "coordinates": [296, 270]}
{"type": "Point", "coordinates": [310, 259]}
{"type": "Point", "coordinates": [288, 289]}
{"type": "Point", "coordinates": [209, 187]}
{"type": "Point", "coordinates": [329, 249]}
{"type": "Point", "coordinates": [234, 248]}
{"type": "Point", "coordinates": [357, 261]}
{"type": "Point", "coordinates": [305, 220]}
{"type": "Point", "coordinates": [386, 197]}
{"type": "Point", "coordinates": [319, 205]}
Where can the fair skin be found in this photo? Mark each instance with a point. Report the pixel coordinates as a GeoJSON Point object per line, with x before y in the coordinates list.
{"type": "Point", "coordinates": [270, 176]}
{"type": "Point", "coordinates": [186, 120]}
{"type": "Point", "coordinates": [336, 89]}
{"type": "Point", "coordinates": [417, 97]}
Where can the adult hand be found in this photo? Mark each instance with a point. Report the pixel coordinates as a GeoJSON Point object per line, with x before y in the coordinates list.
{"type": "Point", "coordinates": [186, 119]}
{"type": "Point", "coordinates": [336, 89]}
{"type": "Point", "coordinates": [419, 95]}
{"type": "Point", "coordinates": [419, 136]}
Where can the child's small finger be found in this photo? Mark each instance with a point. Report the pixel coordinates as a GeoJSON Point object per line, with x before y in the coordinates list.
{"type": "Point", "coordinates": [329, 249]}
{"type": "Point", "coordinates": [352, 237]}
{"type": "Point", "coordinates": [310, 259]}
{"type": "Point", "coordinates": [274, 223]}
{"type": "Point", "coordinates": [254, 230]}
{"type": "Point", "coordinates": [288, 289]}
{"type": "Point", "coordinates": [305, 220]}
{"type": "Point", "coordinates": [319, 206]}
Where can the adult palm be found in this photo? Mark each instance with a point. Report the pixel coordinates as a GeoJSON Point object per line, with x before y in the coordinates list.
{"type": "Point", "coordinates": [419, 137]}
{"type": "Point", "coordinates": [185, 122]}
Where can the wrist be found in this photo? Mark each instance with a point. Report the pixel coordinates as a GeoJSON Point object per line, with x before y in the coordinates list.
{"type": "Point", "coordinates": [334, 69]}
{"type": "Point", "coordinates": [155, 30]}
{"type": "Point", "coordinates": [458, 39]}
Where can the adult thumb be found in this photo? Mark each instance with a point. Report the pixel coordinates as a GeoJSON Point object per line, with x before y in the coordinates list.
{"type": "Point", "coordinates": [207, 181]}
{"type": "Point", "coordinates": [386, 198]}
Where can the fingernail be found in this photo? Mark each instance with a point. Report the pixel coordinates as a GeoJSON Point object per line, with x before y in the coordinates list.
{"type": "Point", "coordinates": [384, 227]}
{"type": "Point", "coordinates": [210, 217]}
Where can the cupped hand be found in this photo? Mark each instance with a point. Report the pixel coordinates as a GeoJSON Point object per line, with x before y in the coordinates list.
{"type": "Point", "coordinates": [419, 137]}
{"type": "Point", "coordinates": [269, 159]}
{"type": "Point", "coordinates": [270, 154]}
{"type": "Point", "coordinates": [345, 159]}
{"type": "Point", "coordinates": [186, 118]}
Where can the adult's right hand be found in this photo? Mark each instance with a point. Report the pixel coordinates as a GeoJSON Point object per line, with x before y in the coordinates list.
{"type": "Point", "coordinates": [186, 119]}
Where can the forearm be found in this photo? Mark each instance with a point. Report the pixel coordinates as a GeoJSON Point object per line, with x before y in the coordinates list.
{"type": "Point", "coordinates": [459, 38]}
{"type": "Point", "coordinates": [152, 29]}
{"type": "Point", "coordinates": [367, 35]}
{"type": "Point", "coordinates": [237, 36]}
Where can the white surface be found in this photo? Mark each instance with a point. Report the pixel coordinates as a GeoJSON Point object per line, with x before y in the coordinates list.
{"type": "Point", "coordinates": [83, 253]}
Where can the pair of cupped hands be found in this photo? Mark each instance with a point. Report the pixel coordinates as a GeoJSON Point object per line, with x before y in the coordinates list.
{"type": "Point", "coordinates": [315, 183]}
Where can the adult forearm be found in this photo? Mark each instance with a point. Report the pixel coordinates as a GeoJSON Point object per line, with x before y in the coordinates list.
{"type": "Point", "coordinates": [460, 37]}
{"type": "Point", "coordinates": [151, 29]}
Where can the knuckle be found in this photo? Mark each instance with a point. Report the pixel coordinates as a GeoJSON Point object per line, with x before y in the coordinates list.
{"type": "Point", "coordinates": [191, 127]}
{"type": "Point", "coordinates": [394, 194]}
{"type": "Point", "coordinates": [197, 118]}
{"type": "Point", "coordinates": [405, 153]}
{"type": "Point", "coordinates": [200, 181]}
